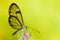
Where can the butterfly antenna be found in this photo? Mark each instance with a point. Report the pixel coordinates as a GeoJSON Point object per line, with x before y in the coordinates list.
{"type": "Point", "coordinates": [36, 30]}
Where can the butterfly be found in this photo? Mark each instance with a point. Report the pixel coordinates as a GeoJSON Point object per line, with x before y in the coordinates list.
{"type": "Point", "coordinates": [16, 19]}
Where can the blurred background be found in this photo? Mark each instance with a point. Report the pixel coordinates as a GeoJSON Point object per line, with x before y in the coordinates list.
{"type": "Point", "coordinates": [43, 15]}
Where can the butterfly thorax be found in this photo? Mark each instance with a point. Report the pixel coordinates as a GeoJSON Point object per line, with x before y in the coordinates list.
{"type": "Point", "coordinates": [24, 28]}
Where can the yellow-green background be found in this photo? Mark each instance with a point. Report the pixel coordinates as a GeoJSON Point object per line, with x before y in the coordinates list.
{"type": "Point", "coordinates": [43, 15]}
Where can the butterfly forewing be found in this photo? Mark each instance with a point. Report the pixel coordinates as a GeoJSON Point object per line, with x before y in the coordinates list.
{"type": "Point", "coordinates": [15, 16]}
{"type": "Point", "coordinates": [15, 11]}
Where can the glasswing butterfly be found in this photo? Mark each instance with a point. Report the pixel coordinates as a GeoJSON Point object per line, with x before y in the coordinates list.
{"type": "Point", "coordinates": [16, 19]}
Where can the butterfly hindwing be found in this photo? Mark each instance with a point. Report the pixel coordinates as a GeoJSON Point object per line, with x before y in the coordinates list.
{"type": "Point", "coordinates": [14, 22]}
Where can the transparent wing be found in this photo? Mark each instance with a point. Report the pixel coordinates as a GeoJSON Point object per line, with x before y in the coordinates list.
{"type": "Point", "coordinates": [14, 22]}
{"type": "Point", "coordinates": [34, 29]}
{"type": "Point", "coordinates": [15, 18]}
{"type": "Point", "coordinates": [15, 11]}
